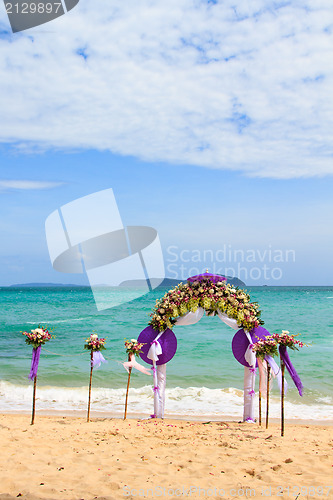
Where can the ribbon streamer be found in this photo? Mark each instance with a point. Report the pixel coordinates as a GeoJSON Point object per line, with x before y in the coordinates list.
{"type": "Point", "coordinates": [34, 362]}
{"type": "Point", "coordinates": [276, 373]}
{"type": "Point", "coordinates": [262, 377]}
{"type": "Point", "coordinates": [292, 372]}
{"type": "Point", "coordinates": [97, 359]}
{"type": "Point", "coordinates": [134, 364]}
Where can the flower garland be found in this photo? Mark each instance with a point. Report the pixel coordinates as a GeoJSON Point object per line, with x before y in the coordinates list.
{"type": "Point", "coordinates": [187, 297]}
{"type": "Point", "coordinates": [93, 343]}
{"type": "Point", "coordinates": [38, 337]}
{"type": "Point", "coordinates": [133, 347]}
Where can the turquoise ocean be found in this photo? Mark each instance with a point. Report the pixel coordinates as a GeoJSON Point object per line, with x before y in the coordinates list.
{"type": "Point", "coordinates": [203, 378]}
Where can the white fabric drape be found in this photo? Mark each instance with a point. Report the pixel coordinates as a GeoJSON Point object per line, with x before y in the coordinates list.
{"type": "Point", "coordinates": [190, 318]}
{"type": "Point", "coordinates": [154, 352]}
{"type": "Point", "coordinates": [228, 321]}
{"type": "Point", "coordinates": [159, 396]}
{"type": "Point", "coordinates": [249, 378]}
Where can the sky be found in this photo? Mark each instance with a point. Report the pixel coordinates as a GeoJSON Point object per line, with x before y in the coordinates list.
{"type": "Point", "coordinates": [211, 120]}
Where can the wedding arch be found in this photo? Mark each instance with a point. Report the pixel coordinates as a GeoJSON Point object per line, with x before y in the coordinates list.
{"type": "Point", "coordinates": [186, 304]}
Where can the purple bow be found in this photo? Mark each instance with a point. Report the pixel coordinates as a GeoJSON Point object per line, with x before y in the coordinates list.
{"type": "Point", "coordinates": [97, 359]}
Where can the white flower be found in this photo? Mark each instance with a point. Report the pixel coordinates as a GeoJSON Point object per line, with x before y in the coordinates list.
{"type": "Point", "coordinates": [285, 332]}
{"type": "Point", "coordinates": [93, 336]}
{"type": "Point", "coordinates": [38, 331]}
{"type": "Point", "coordinates": [133, 340]}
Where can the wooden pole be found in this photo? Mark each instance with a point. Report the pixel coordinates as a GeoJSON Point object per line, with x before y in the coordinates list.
{"type": "Point", "coordinates": [34, 402]}
{"type": "Point", "coordinates": [259, 407]}
{"type": "Point", "coordinates": [128, 383]}
{"type": "Point", "coordinates": [91, 372]}
{"type": "Point", "coordinates": [267, 396]}
{"type": "Point", "coordinates": [282, 399]}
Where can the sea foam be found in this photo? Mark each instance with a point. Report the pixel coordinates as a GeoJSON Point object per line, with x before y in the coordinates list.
{"type": "Point", "coordinates": [192, 402]}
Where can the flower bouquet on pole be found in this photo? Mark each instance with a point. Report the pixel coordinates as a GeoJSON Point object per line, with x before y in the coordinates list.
{"type": "Point", "coordinates": [264, 349]}
{"type": "Point", "coordinates": [94, 345]}
{"type": "Point", "coordinates": [284, 340]}
{"type": "Point", "coordinates": [133, 348]}
{"type": "Point", "coordinates": [36, 338]}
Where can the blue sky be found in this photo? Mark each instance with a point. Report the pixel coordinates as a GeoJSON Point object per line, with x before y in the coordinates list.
{"type": "Point", "coordinates": [212, 124]}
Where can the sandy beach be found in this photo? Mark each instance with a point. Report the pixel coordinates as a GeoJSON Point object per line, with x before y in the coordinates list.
{"type": "Point", "coordinates": [68, 458]}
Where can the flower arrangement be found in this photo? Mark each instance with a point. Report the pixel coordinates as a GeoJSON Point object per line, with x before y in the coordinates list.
{"type": "Point", "coordinates": [38, 337]}
{"type": "Point", "coordinates": [133, 347]}
{"type": "Point", "coordinates": [93, 343]}
{"type": "Point", "coordinates": [265, 347]}
{"type": "Point", "coordinates": [187, 297]}
{"type": "Point", "coordinates": [287, 339]}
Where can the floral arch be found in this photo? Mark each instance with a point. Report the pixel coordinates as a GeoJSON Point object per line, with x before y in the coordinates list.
{"type": "Point", "coordinates": [186, 304]}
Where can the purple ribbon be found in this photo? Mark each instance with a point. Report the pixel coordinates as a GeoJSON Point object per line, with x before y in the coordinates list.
{"type": "Point", "coordinates": [156, 389]}
{"type": "Point", "coordinates": [292, 372]}
{"type": "Point", "coordinates": [251, 393]}
{"type": "Point", "coordinates": [34, 362]}
{"type": "Point", "coordinates": [154, 370]}
{"type": "Point", "coordinates": [97, 359]}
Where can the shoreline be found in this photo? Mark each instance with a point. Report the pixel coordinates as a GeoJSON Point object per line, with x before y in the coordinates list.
{"type": "Point", "coordinates": [105, 415]}
{"type": "Point", "coordinates": [194, 403]}
{"type": "Point", "coordinates": [67, 458]}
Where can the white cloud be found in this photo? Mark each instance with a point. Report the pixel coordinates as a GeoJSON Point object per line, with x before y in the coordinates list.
{"type": "Point", "coordinates": [244, 88]}
{"type": "Point", "coordinates": [28, 185]}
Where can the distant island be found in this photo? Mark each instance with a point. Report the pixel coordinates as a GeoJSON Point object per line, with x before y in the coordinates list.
{"type": "Point", "coordinates": [170, 282]}
{"type": "Point", "coordinates": [166, 283]}
{"type": "Point", "coordinates": [46, 285]}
